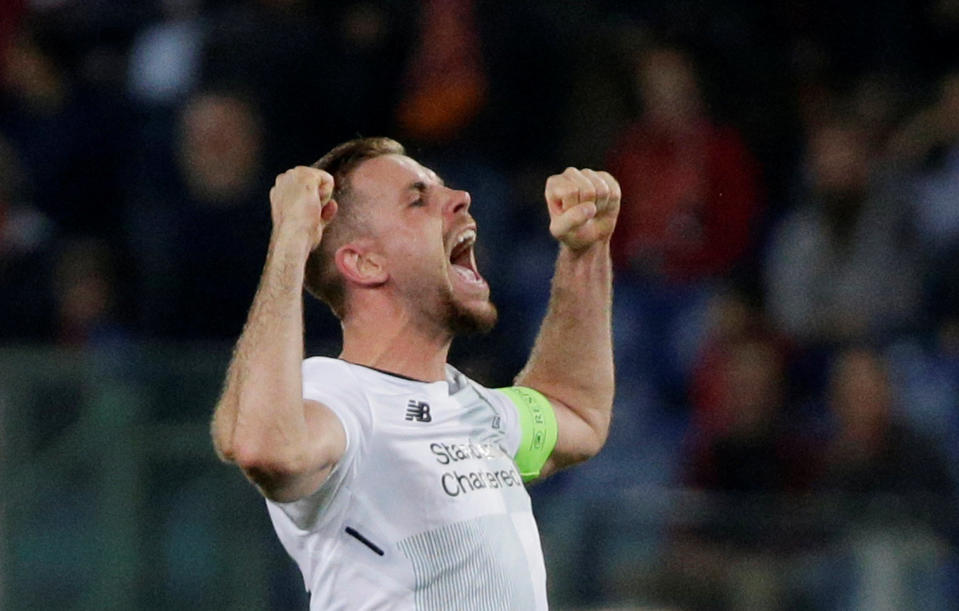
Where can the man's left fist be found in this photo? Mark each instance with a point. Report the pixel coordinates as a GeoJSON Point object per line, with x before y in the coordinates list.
{"type": "Point", "coordinates": [583, 206]}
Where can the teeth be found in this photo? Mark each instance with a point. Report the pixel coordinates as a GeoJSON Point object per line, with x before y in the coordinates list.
{"type": "Point", "coordinates": [468, 235]}
{"type": "Point", "coordinates": [465, 240]}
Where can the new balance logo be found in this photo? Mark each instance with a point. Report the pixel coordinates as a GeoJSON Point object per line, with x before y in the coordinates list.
{"type": "Point", "coordinates": [418, 411]}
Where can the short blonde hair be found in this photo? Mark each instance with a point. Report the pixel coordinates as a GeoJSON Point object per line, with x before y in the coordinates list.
{"type": "Point", "coordinates": [322, 279]}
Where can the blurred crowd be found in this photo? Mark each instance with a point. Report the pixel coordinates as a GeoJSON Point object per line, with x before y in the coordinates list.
{"type": "Point", "coordinates": [787, 290]}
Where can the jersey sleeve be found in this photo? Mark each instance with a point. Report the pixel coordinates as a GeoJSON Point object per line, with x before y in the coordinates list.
{"type": "Point", "coordinates": [328, 381]}
{"type": "Point", "coordinates": [532, 416]}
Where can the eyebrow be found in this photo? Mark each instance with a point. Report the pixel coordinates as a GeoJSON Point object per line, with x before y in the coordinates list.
{"type": "Point", "coordinates": [421, 187]}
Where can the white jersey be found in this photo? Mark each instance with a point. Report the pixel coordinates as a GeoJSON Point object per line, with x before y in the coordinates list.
{"type": "Point", "coordinates": [426, 509]}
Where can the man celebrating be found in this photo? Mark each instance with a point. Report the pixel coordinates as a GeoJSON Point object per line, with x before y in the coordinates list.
{"type": "Point", "coordinates": [394, 481]}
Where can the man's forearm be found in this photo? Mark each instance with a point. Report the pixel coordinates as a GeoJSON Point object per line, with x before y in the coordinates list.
{"type": "Point", "coordinates": [572, 359]}
{"type": "Point", "coordinates": [261, 408]}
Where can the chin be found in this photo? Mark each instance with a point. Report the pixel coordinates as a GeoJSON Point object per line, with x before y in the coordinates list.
{"type": "Point", "coordinates": [471, 319]}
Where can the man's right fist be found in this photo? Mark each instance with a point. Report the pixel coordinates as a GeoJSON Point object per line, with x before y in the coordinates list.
{"type": "Point", "coordinates": [300, 202]}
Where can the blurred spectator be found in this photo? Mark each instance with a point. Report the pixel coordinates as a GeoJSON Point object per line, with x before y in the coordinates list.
{"type": "Point", "coordinates": [689, 186]}
{"type": "Point", "coordinates": [200, 226]}
{"type": "Point", "coordinates": [320, 72]}
{"type": "Point", "coordinates": [602, 94]}
{"type": "Point", "coordinates": [886, 469]}
{"type": "Point", "coordinates": [220, 148]}
{"type": "Point", "coordinates": [514, 64]}
{"type": "Point", "coordinates": [743, 436]}
{"type": "Point", "coordinates": [26, 241]}
{"type": "Point", "coordinates": [896, 498]}
{"type": "Point", "coordinates": [689, 206]}
{"type": "Point", "coordinates": [70, 161]}
{"type": "Point", "coordinates": [927, 146]}
{"type": "Point", "coordinates": [732, 321]}
{"type": "Point", "coordinates": [929, 142]}
{"type": "Point", "coordinates": [446, 83]}
{"type": "Point", "coordinates": [877, 101]}
{"type": "Point", "coordinates": [84, 287]}
{"type": "Point", "coordinates": [843, 264]}
{"type": "Point", "coordinates": [165, 57]}
{"type": "Point", "coordinates": [750, 445]}
{"type": "Point", "coordinates": [11, 12]}
{"type": "Point", "coordinates": [926, 371]}
{"type": "Point", "coordinates": [746, 452]}
{"type": "Point", "coordinates": [363, 69]}
{"type": "Point", "coordinates": [276, 51]}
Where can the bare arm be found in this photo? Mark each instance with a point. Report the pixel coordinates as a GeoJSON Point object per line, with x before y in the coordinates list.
{"type": "Point", "coordinates": [572, 359]}
{"type": "Point", "coordinates": [285, 444]}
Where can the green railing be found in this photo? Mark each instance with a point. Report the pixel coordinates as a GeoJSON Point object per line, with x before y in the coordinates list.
{"type": "Point", "coordinates": [111, 498]}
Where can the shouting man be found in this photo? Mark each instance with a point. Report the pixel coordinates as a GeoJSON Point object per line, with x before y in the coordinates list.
{"type": "Point", "coordinates": [392, 479]}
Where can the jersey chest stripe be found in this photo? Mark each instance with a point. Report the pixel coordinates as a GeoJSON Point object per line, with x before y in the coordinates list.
{"type": "Point", "coordinates": [476, 565]}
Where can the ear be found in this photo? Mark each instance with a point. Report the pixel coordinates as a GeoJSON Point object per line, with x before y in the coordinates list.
{"type": "Point", "coordinates": [361, 265]}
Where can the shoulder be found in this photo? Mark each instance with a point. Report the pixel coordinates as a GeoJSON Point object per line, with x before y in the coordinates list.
{"type": "Point", "coordinates": [320, 368]}
{"type": "Point", "coordinates": [327, 374]}
{"type": "Point", "coordinates": [335, 384]}
{"type": "Point", "coordinates": [496, 398]}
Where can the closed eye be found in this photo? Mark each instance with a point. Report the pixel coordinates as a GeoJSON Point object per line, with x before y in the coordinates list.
{"type": "Point", "coordinates": [417, 203]}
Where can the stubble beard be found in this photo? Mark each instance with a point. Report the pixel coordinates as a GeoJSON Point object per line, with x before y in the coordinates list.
{"type": "Point", "coordinates": [460, 319]}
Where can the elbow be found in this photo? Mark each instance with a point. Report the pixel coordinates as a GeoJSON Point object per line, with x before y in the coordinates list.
{"type": "Point", "coordinates": [222, 441]}
{"type": "Point", "coordinates": [595, 442]}
{"type": "Point", "coordinates": [224, 451]}
{"type": "Point", "coordinates": [269, 471]}
{"type": "Point", "coordinates": [598, 422]}
{"type": "Point", "coordinates": [589, 441]}
{"type": "Point", "coordinates": [253, 448]}
{"type": "Point", "coordinates": [249, 458]}
{"type": "Point", "coordinates": [254, 458]}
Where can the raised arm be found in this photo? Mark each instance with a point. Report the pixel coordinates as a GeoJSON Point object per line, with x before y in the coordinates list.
{"type": "Point", "coordinates": [572, 359]}
{"type": "Point", "coordinates": [284, 444]}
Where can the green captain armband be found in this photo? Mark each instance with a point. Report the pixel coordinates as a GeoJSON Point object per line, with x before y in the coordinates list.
{"type": "Point", "coordinates": [538, 424]}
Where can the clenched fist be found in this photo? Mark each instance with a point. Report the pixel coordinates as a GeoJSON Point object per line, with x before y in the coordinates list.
{"type": "Point", "coordinates": [583, 206]}
{"type": "Point", "coordinates": [300, 203]}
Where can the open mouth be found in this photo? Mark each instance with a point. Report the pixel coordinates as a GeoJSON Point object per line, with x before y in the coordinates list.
{"type": "Point", "coordinates": [462, 257]}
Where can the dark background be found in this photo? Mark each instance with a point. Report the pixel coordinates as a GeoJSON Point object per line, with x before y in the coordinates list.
{"type": "Point", "coordinates": [787, 297]}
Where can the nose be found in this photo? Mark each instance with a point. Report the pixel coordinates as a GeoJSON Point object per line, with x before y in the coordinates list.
{"type": "Point", "coordinates": [458, 202]}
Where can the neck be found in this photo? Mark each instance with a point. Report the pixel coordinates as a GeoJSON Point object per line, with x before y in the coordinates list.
{"type": "Point", "coordinates": [389, 339]}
